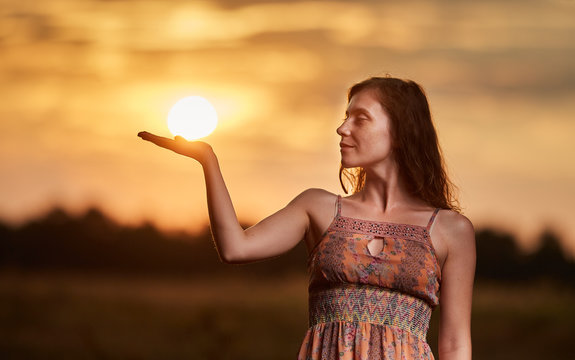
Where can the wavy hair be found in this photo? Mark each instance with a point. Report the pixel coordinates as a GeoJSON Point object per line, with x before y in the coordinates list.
{"type": "Point", "coordinates": [416, 147]}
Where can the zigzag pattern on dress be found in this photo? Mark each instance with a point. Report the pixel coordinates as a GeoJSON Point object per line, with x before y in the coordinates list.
{"type": "Point", "coordinates": [369, 304]}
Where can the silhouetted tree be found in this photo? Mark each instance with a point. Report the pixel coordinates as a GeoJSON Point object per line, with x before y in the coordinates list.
{"type": "Point", "coordinates": [549, 261]}
{"type": "Point", "coordinates": [5, 236]}
{"type": "Point", "coordinates": [498, 257]}
{"type": "Point", "coordinates": [93, 242]}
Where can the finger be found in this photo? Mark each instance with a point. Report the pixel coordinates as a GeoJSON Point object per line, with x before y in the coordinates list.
{"type": "Point", "coordinates": [145, 135]}
{"type": "Point", "coordinates": [158, 140]}
{"type": "Point", "coordinates": [149, 136]}
{"type": "Point", "coordinates": [179, 138]}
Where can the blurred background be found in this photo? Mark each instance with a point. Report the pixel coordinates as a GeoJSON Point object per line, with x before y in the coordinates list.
{"type": "Point", "coordinates": [104, 247]}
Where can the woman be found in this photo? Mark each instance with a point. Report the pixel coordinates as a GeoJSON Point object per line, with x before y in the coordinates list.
{"type": "Point", "coordinates": [377, 265]}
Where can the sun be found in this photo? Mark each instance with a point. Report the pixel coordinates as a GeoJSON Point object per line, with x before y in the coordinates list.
{"type": "Point", "coordinates": [192, 117]}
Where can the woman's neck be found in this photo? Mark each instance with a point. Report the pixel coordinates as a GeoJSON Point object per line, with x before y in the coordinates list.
{"type": "Point", "coordinates": [384, 190]}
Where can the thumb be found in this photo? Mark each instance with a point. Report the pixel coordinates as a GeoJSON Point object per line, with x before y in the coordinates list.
{"type": "Point", "coordinates": [179, 138]}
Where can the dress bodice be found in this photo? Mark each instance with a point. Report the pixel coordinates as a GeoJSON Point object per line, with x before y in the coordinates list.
{"type": "Point", "coordinates": [406, 263]}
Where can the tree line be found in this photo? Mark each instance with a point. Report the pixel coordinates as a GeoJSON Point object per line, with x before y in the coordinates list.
{"type": "Point", "coordinates": [93, 242]}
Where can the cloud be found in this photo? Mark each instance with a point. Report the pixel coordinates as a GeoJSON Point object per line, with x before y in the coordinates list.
{"type": "Point", "coordinates": [79, 79]}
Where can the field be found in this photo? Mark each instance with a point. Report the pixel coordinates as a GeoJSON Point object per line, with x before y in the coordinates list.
{"type": "Point", "coordinates": [73, 316]}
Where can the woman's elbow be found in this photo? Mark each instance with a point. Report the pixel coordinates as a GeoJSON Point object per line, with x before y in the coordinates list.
{"type": "Point", "coordinates": [229, 256]}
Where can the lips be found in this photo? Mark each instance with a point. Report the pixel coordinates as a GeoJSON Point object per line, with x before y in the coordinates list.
{"type": "Point", "coordinates": [345, 146]}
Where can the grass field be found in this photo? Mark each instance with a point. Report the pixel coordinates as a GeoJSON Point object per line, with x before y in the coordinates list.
{"type": "Point", "coordinates": [67, 316]}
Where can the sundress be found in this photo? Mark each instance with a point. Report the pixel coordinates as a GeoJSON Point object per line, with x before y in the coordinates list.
{"type": "Point", "coordinates": [371, 306]}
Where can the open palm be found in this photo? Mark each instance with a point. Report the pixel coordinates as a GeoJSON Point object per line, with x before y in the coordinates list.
{"type": "Point", "coordinates": [197, 150]}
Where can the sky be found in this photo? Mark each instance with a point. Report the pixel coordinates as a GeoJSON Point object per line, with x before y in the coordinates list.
{"type": "Point", "coordinates": [80, 78]}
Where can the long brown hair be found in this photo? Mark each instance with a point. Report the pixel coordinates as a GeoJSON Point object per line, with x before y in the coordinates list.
{"type": "Point", "coordinates": [414, 139]}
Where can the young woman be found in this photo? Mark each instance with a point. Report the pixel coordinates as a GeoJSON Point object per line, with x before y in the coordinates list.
{"type": "Point", "coordinates": [377, 258]}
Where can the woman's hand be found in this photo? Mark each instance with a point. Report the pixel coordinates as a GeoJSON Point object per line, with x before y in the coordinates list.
{"type": "Point", "coordinates": [197, 150]}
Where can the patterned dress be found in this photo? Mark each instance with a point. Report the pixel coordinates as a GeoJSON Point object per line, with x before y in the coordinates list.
{"type": "Point", "coordinates": [371, 306]}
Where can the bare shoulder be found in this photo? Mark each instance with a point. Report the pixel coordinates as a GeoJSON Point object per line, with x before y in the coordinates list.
{"type": "Point", "coordinates": [454, 222]}
{"type": "Point", "coordinates": [315, 197]}
{"type": "Point", "coordinates": [455, 230]}
{"type": "Point", "coordinates": [320, 206]}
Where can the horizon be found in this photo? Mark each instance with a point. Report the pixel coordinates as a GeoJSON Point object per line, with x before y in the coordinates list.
{"type": "Point", "coordinates": [202, 230]}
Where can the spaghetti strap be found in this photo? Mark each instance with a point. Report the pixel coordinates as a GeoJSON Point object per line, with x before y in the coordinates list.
{"type": "Point", "coordinates": [430, 223]}
{"type": "Point", "coordinates": [338, 206]}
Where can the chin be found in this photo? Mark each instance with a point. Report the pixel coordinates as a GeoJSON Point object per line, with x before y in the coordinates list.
{"type": "Point", "coordinates": [348, 164]}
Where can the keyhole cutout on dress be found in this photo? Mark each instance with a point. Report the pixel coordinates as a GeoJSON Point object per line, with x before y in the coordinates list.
{"type": "Point", "coordinates": [375, 246]}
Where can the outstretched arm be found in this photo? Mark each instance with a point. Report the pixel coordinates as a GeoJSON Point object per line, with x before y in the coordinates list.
{"type": "Point", "coordinates": [271, 237]}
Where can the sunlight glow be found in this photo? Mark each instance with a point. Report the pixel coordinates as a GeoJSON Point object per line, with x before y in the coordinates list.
{"type": "Point", "coordinates": [192, 118]}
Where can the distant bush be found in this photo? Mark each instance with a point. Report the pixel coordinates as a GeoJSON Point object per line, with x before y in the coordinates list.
{"type": "Point", "coordinates": [93, 242]}
{"type": "Point", "coordinates": [499, 258]}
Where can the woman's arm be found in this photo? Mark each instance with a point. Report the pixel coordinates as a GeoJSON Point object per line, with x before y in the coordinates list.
{"type": "Point", "coordinates": [458, 272]}
{"type": "Point", "coordinates": [271, 237]}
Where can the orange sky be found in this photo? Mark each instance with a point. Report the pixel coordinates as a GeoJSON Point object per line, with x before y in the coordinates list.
{"type": "Point", "coordinates": [79, 79]}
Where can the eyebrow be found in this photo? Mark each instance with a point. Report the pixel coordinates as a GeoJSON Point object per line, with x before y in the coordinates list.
{"type": "Point", "coordinates": [359, 111]}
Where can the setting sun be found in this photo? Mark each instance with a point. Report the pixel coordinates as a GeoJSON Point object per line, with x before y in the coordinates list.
{"type": "Point", "coordinates": [192, 118]}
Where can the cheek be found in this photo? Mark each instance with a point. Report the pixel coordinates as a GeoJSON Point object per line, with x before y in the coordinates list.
{"type": "Point", "coordinates": [378, 147]}
{"type": "Point", "coordinates": [380, 142]}
{"type": "Point", "coordinates": [383, 148]}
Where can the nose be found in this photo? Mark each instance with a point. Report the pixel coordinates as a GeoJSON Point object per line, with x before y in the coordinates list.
{"type": "Point", "coordinates": [343, 129]}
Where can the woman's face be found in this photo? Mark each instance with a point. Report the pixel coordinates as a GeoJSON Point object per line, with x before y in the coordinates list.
{"type": "Point", "coordinates": [365, 132]}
